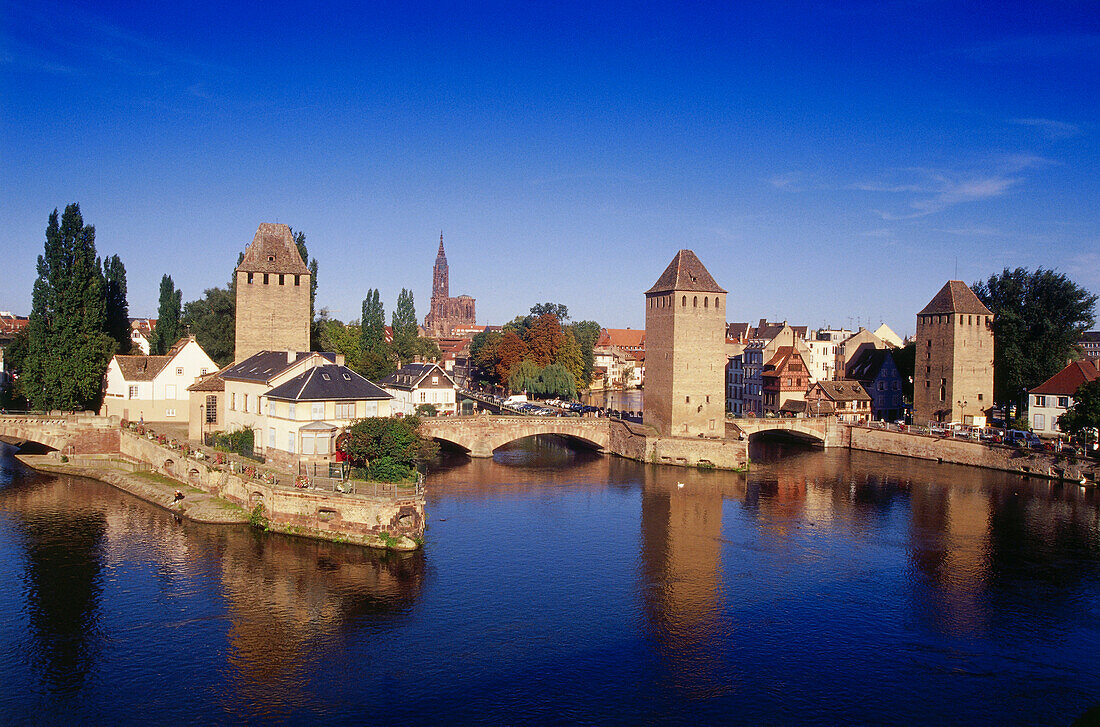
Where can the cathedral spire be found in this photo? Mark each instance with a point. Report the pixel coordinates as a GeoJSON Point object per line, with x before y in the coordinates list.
{"type": "Point", "coordinates": [441, 253]}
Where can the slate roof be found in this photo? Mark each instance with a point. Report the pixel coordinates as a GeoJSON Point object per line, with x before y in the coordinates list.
{"type": "Point", "coordinates": [265, 365]}
{"type": "Point", "coordinates": [798, 406]}
{"type": "Point", "coordinates": [956, 297]}
{"type": "Point", "coordinates": [844, 390]}
{"type": "Point", "coordinates": [327, 383]}
{"type": "Point", "coordinates": [685, 273]}
{"type": "Point", "coordinates": [867, 365]}
{"type": "Point", "coordinates": [273, 251]}
{"type": "Point", "coordinates": [1068, 380]}
{"type": "Point", "coordinates": [409, 376]}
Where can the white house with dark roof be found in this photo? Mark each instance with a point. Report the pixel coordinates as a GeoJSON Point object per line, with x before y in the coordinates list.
{"type": "Point", "coordinates": [154, 388]}
{"type": "Point", "coordinates": [306, 413]}
{"type": "Point", "coordinates": [1048, 401]}
{"type": "Point", "coordinates": [421, 383]}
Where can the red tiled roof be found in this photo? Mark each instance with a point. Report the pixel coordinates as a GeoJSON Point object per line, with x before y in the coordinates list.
{"type": "Point", "coordinates": [624, 338]}
{"type": "Point", "coordinates": [687, 273]}
{"type": "Point", "coordinates": [956, 297]}
{"type": "Point", "coordinates": [1068, 380]}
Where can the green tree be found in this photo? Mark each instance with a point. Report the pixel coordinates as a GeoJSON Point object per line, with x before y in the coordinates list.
{"type": "Point", "coordinates": [1038, 317]}
{"type": "Point", "coordinates": [587, 334]}
{"type": "Point", "coordinates": [557, 310]}
{"type": "Point", "coordinates": [344, 339]}
{"type": "Point", "coordinates": [525, 377]}
{"type": "Point", "coordinates": [118, 311]}
{"type": "Point", "coordinates": [905, 359]}
{"type": "Point", "coordinates": [556, 381]}
{"type": "Point", "coordinates": [1085, 412]}
{"type": "Point", "coordinates": [67, 346]}
{"type": "Point", "coordinates": [405, 329]}
{"type": "Point", "coordinates": [379, 443]}
{"type": "Point", "coordinates": [569, 356]}
{"type": "Point", "coordinates": [376, 356]}
{"type": "Point", "coordinates": [311, 263]}
{"type": "Point", "coordinates": [169, 318]}
{"type": "Point", "coordinates": [212, 321]}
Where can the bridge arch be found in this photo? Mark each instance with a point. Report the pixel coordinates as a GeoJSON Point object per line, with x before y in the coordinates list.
{"type": "Point", "coordinates": [480, 436]}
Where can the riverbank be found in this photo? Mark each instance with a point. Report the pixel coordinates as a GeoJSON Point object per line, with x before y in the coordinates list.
{"type": "Point", "coordinates": [151, 487]}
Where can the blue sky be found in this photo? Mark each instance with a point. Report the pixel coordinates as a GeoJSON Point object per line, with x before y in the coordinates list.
{"type": "Point", "coordinates": [829, 162]}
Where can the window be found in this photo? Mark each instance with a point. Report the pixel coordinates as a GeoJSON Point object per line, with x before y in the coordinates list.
{"type": "Point", "coordinates": [695, 301]}
{"type": "Point", "coordinates": [307, 443]}
{"type": "Point", "coordinates": [687, 399]}
{"type": "Point", "coordinates": [290, 411]}
{"type": "Point", "coordinates": [296, 280]}
{"type": "Point", "coordinates": [979, 396]}
{"type": "Point", "coordinates": [435, 379]}
{"type": "Point", "coordinates": [290, 442]}
{"type": "Point", "coordinates": [169, 412]}
{"type": "Point", "coordinates": [423, 397]}
{"type": "Point", "coordinates": [317, 410]}
{"type": "Point", "coordinates": [170, 391]}
{"type": "Point", "coordinates": [271, 437]}
{"type": "Point", "coordinates": [270, 408]}
{"type": "Point", "coordinates": [245, 405]}
{"type": "Point", "coordinates": [345, 411]}
{"type": "Point", "coordinates": [250, 278]}
{"type": "Point", "coordinates": [202, 372]}
{"type": "Point", "coordinates": [179, 371]}
{"type": "Point", "coordinates": [1040, 421]}
{"type": "Point", "coordinates": [233, 401]}
{"type": "Point", "coordinates": [684, 302]}
{"type": "Point", "coordinates": [1063, 402]}
{"type": "Point", "coordinates": [1040, 401]}
{"type": "Point", "coordinates": [211, 409]}
{"type": "Point", "coordinates": [281, 278]}
{"type": "Point", "coordinates": [133, 391]}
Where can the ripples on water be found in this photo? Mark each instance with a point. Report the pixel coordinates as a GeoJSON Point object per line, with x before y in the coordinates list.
{"type": "Point", "coordinates": [558, 585]}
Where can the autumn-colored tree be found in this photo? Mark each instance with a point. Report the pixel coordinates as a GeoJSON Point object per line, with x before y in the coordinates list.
{"type": "Point", "coordinates": [544, 338]}
{"type": "Point", "coordinates": [483, 356]}
{"type": "Point", "coordinates": [510, 352]}
{"type": "Point", "coordinates": [570, 358]}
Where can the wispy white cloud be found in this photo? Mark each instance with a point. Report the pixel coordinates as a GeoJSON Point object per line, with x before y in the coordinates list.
{"type": "Point", "coordinates": [933, 190]}
{"type": "Point", "coordinates": [1050, 128]}
{"type": "Point", "coordinates": [788, 181]}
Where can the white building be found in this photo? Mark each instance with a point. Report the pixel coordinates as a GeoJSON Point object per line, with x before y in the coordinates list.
{"type": "Point", "coordinates": [1050, 399]}
{"type": "Point", "coordinates": [154, 388]}
{"type": "Point", "coordinates": [416, 384]}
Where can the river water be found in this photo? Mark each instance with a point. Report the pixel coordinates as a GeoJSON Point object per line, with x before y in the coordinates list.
{"type": "Point", "coordinates": [561, 586]}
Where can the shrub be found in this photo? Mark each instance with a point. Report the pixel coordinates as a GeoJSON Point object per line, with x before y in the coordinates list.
{"type": "Point", "coordinates": [257, 519]}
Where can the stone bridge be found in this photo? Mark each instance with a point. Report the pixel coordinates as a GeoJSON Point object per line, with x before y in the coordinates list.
{"type": "Point", "coordinates": [826, 431]}
{"type": "Point", "coordinates": [480, 435]}
{"type": "Point", "coordinates": [79, 433]}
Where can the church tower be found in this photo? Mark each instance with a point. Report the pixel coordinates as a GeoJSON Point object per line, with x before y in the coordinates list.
{"type": "Point", "coordinates": [953, 371]}
{"type": "Point", "coordinates": [441, 284]}
{"type": "Point", "coordinates": [685, 330]}
{"type": "Point", "coordinates": [272, 295]}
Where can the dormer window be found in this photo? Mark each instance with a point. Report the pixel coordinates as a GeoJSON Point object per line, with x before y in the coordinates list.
{"type": "Point", "coordinates": [347, 377]}
{"type": "Point", "coordinates": [271, 258]}
{"type": "Point", "coordinates": [325, 377]}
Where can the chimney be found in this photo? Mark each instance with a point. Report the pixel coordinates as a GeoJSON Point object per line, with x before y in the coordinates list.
{"type": "Point", "coordinates": [290, 357]}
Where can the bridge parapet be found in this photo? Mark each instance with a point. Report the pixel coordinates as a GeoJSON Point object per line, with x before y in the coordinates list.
{"type": "Point", "coordinates": [481, 435]}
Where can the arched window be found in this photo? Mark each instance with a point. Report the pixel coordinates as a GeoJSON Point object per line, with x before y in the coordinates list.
{"type": "Point", "coordinates": [684, 302]}
{"type": "Point", "coordinates": [706, 302]}
{"type": "Point", "coordinates": [716, 299]}
{"type": "Point", "coordinates": [695, 301]}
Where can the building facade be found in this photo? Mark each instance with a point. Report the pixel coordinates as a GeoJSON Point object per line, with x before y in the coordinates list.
{"type": "Point", "coordinates": [876, 371]}
{"type": "Point", "coordinates": [421, 383]}
{"type": "Point", "coordinates": [448, 316]}
{"type": "Point", "coordinates": [685, 351]}
{"type": "Point", "coordinates": [1049, 400]}
{"type": "Point", "coordinates": [786, 378]}
{"type": "Point", "coordinates": [273, 307]}
{"type": "Point", "coordinates": [953, 372]}
{"type": "Point", "coordinates": [155, 388]}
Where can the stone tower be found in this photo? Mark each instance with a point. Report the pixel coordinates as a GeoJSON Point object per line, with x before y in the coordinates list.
{"type": "Point", "coordinates": [953, 372]}
{"type": "Point", "coordinates": [685, 331]}
{"type": "Point", "coordinates": [272, 295]}
{"type": "Point", "coordinates": [441, 284]}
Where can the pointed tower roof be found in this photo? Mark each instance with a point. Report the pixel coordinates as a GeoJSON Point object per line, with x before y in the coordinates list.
{"type": "Point", "coordinates": [686, 273]}
{"type": "Point", "coordinates": [273, 251]}
{"type": "Point", "coordinates": [441, 253]}
{"type": "Point", "coordinates": [956, 297]}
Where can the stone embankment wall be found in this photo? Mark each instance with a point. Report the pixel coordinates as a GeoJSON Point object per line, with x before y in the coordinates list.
{"type": "Point", "coordinates": [641, 443]}
{"type": "Point", "coordinates": [976, 454]}
{"type": "Point", "coordinates": [396, 523]}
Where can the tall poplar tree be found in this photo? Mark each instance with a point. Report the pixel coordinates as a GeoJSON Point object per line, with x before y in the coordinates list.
{"type": "Point", "coordinates": [118, 310]}
{"type": "Point", "coordinates": [169, 314]}
{"type": "Point", "coordinates": [376, 360]}
{"type": "Point", "coordinates": [67, 347]}
{"type": "Point", "coordinates": [405, 330]}
{"type": "Point", "coordinates": [315, 325]}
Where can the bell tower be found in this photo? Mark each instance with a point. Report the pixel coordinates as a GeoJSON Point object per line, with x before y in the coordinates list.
{"type": "Point", "coordinates": [272, 295]}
